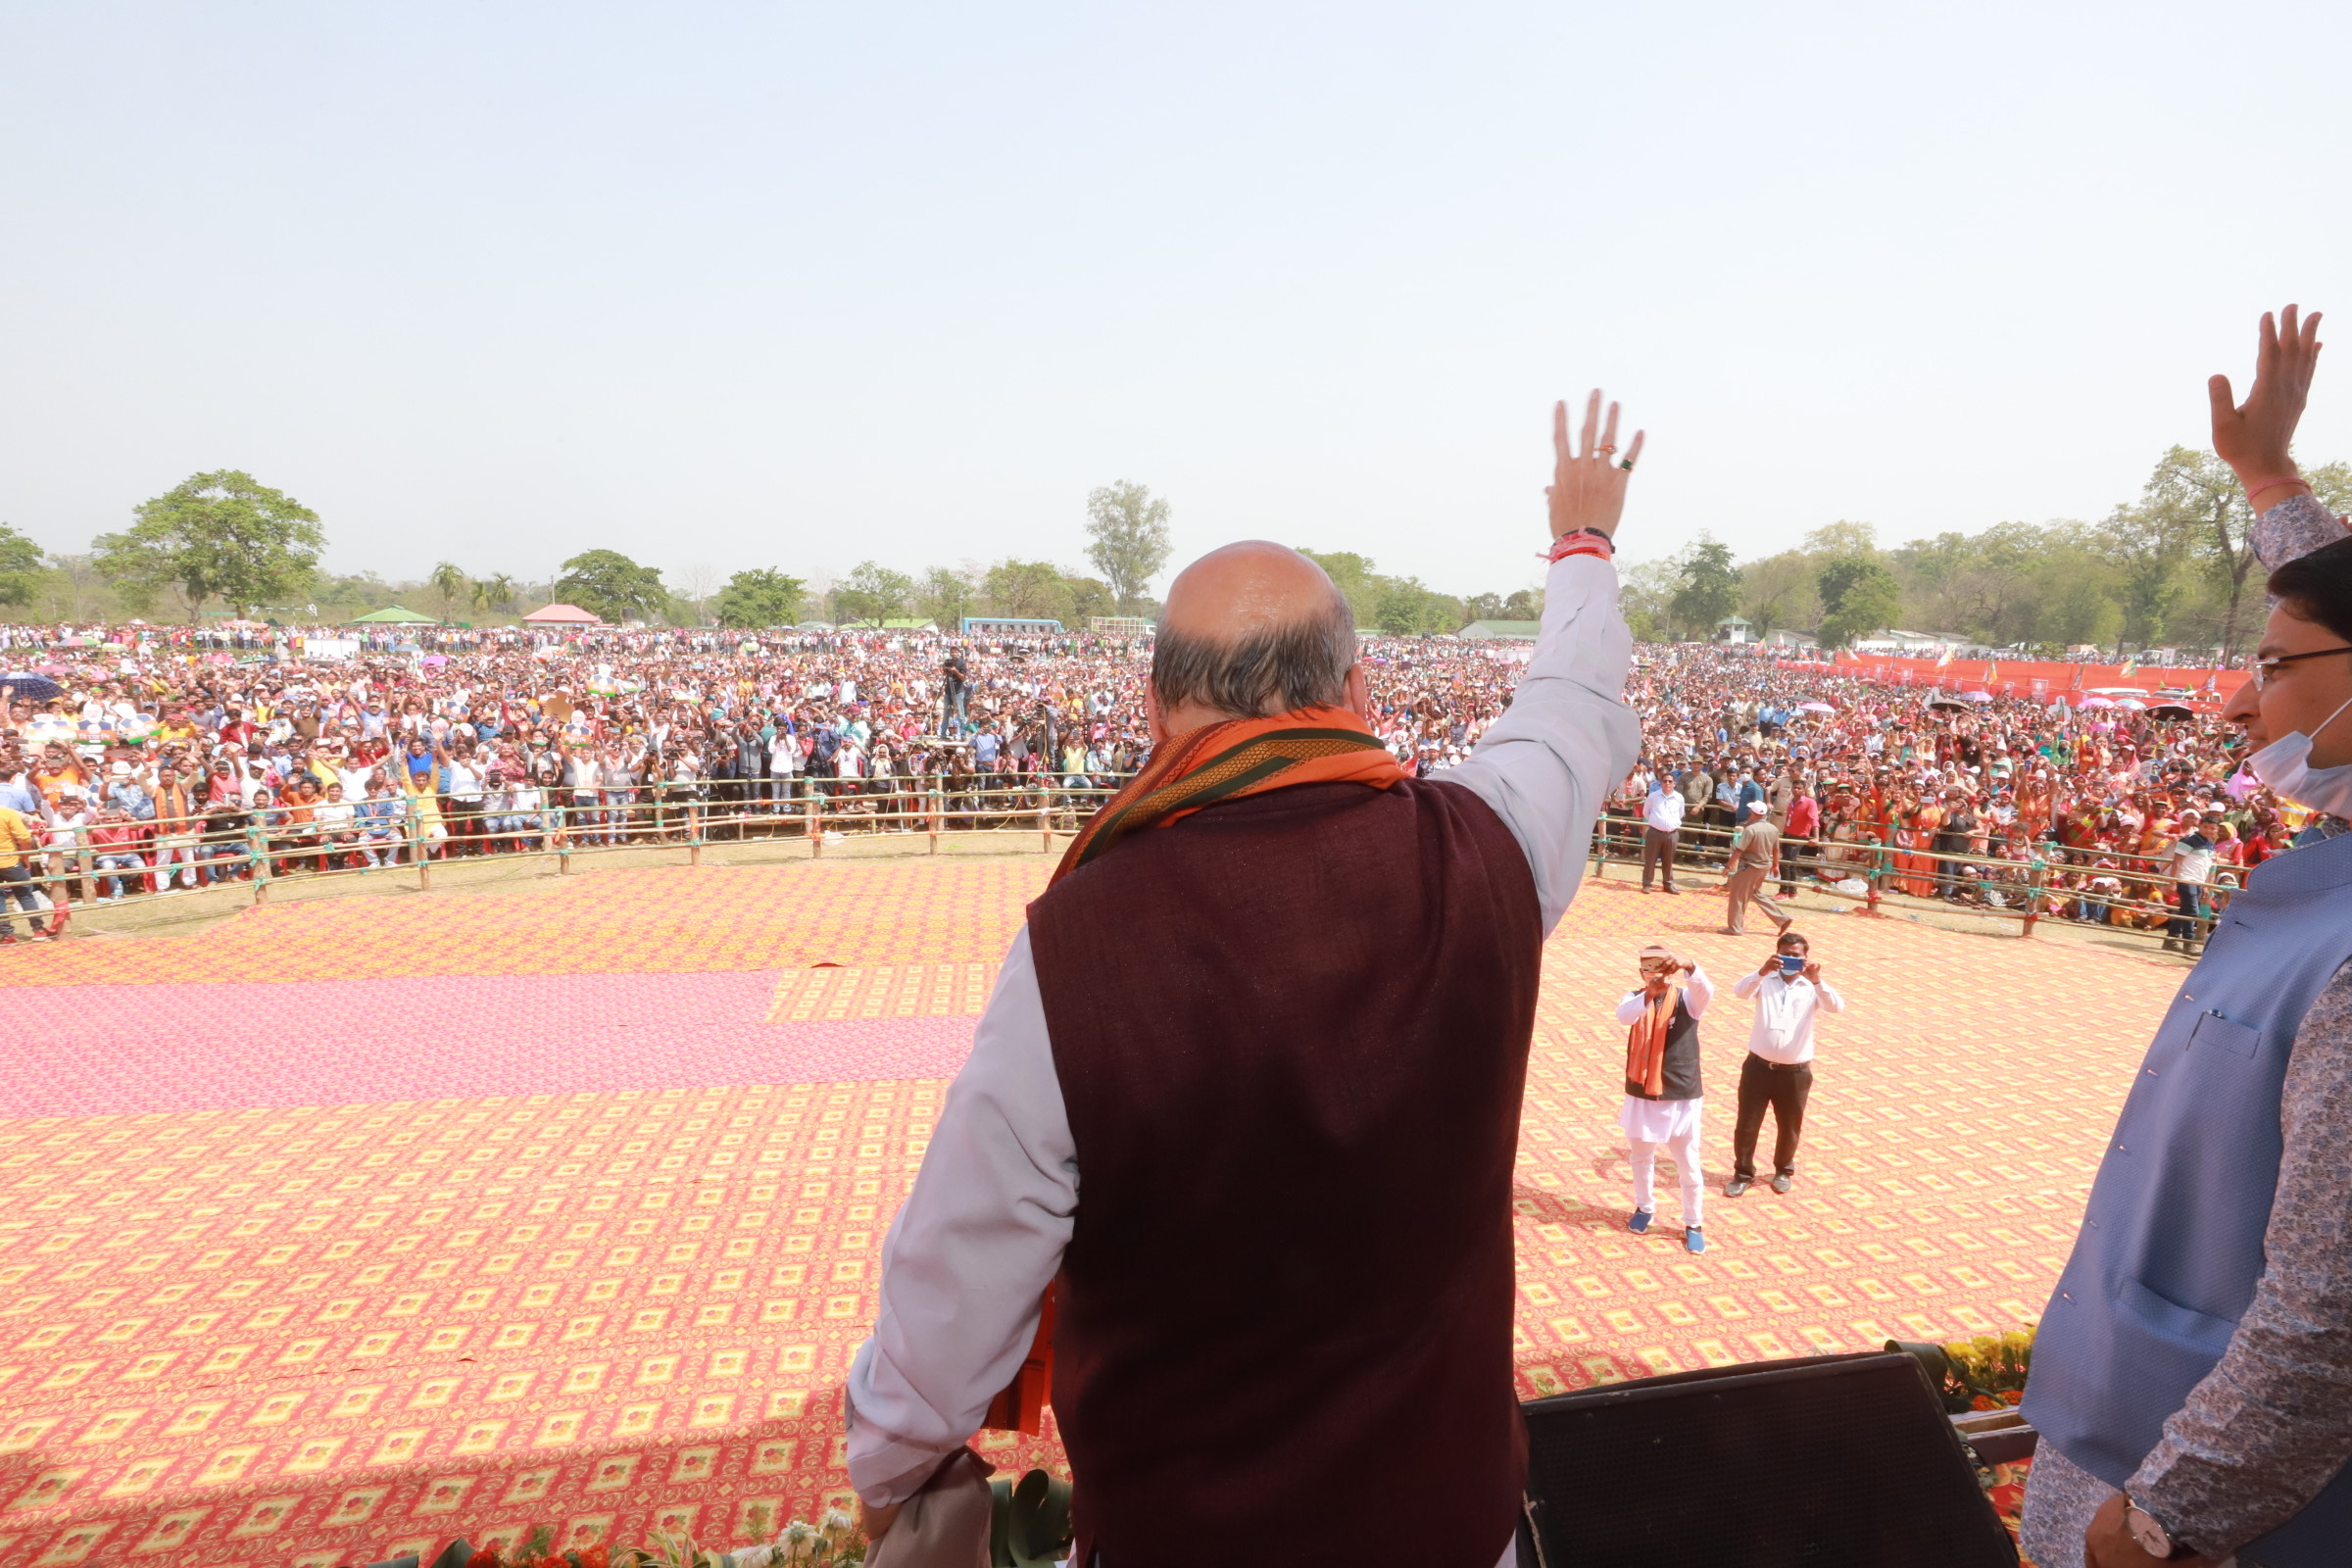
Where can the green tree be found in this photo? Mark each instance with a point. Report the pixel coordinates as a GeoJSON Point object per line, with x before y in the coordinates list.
{"type": "Point", "coordinates": [450, 583]}
{"type": "Point", "coordinates": [1033, 590]}
{"type": "Point", "coordinates": [1778, 590]}
{"type": "Point", "coordinates": [1858, 596]}
{"type": "Point", "coordinates": [1645, 591]}
{"type": "Point", "coordinates": [761, 597]}
{"type": "Point", "coordinates": [2199, 498]}
{"type": "Point", "coordinates": [19, 567]}
{"type": "Point", "coordinates": [220, 534]}
{"type": "Point", "coordinates": [945, 596]}
{"type": "Point", "coordinates": [1356, 579]}
{"type": "Point", "coordinates": [2331, 482]}
{"type": "Point", "coordinates": [494, 593]}
{"type": "Point", "coordinates": [1408, 607]}
{"type": "Point", "coordinates": [1843, 538]}
{"type": "Point", "coordinates": [1127, 528]}
{"type": "Point", "coordinates": [613, 585]}
{"type": "Point", "coordinates": [872, 593]}
{"type": "Point", "coordinates": [2149, 546]}
{"type": "Point", "coordinates": [1710, 589]}
{"type": "Point", "coordinates": [1091, 597]}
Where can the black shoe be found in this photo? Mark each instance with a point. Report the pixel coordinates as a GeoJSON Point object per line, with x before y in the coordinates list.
{"type": "Point", "coordinates": [1780, 1184]}
{"type": "Point", "coordinates": [1735, 1186]}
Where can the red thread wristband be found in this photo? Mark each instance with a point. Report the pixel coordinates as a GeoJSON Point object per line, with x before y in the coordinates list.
{"type": "Point", "coordinates": [1583, 542]}
{"type": "Point", "coordinates": [2254, 490]}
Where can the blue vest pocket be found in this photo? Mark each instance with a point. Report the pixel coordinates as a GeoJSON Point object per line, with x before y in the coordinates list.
{"type": "Point", "coordinates": [2183, 1329]}
{"type": "Point", "coordinates": [2216, 1033]}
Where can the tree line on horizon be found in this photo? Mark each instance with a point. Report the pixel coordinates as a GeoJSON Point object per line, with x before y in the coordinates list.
{"type": "Point", "coordinates": [2172, 567]}
{"type": "Point", "coordinates": [225, 544]}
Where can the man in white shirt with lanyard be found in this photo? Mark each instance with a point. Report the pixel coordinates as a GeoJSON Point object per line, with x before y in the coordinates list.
{"type": "Point", "coordinates": [1777, 1074]}
{"type": "Point", "coordinates": [1662, 826]}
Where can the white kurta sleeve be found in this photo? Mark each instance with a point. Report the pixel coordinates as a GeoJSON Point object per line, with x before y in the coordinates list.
{"type": "Point", "coordinates": [1698, 991]}
{"type": "Point", "coordinates": [1567, 739]}
{"type": "Point", "coordinates": [967, 1260]}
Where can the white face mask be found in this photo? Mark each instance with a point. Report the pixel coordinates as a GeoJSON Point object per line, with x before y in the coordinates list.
{"type": "Point", "coordinates": [2285, 766]}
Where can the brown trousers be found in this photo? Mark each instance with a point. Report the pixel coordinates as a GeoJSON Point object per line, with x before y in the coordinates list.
{"type": "Point", "coordinates": [1746, 887]}
{"type": "Point", "coordinates": [1657, 850]}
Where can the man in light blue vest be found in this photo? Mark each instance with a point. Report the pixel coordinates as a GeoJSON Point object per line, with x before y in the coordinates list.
{"type": "Point", "coordinates": [2192, 1378]}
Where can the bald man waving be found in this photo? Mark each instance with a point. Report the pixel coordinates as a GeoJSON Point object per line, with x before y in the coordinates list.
{"type": "Point", "coordinates": [1247, 1092]}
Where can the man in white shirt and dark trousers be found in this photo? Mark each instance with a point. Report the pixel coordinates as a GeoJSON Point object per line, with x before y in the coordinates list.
{"type": "Point", "coordinates": [1789, 991]}
{"type": "Point", "coordinates": [1662, 826]}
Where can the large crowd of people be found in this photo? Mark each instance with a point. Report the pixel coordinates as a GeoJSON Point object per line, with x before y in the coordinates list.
{"type": "Point", "coordinates": [153, 759]}
{"type": "Point", "coordinates": [2107, 811]}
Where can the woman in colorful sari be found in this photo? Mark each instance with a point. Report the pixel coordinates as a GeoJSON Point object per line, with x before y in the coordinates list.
{"type": "Point", "coordinates": [1916, 822]}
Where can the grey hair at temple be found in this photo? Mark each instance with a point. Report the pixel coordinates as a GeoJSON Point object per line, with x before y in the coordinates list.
{"type": "Point", "coordinates": [1271, 669]}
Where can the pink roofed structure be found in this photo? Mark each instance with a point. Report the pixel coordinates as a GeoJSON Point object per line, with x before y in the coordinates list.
{"type": "Point", "coordinates": [562, 615]}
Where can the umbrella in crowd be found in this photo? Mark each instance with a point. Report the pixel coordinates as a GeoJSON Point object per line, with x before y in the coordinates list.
{"type": "Point", "coordinates": [1975, 696]}
{"type": "Point", "coordinates": [2095, 701]}
{"type": "Point", "coordinates": [31, 687]}
{"type": "Point", "coordinates": [1815, 707]}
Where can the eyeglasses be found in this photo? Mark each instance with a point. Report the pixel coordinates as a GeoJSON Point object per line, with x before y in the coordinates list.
{"type": "Point", "coordinates": [2264, 669]}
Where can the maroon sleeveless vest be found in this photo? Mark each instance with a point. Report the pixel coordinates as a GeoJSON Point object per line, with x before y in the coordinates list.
{"type": "Point", "coordinates": [1292, 1034]}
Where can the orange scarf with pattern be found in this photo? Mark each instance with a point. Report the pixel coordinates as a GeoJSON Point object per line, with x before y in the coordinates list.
{"type": "Point", "coordinates": [1645, 1041]}
{"type": "Point", "coordinates": [1224, 761]}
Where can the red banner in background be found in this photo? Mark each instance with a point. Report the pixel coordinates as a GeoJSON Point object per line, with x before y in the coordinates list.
{"type": "Point", "coordinates": [2042, 678]}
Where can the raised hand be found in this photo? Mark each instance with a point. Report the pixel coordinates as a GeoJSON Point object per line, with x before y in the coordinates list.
{"type": "Point", "coordinates": [2256, 438]}
{"type": "Point", "coordinates": [1587, 486]}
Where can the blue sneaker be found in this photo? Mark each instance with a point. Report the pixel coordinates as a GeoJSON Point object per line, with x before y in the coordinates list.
{"type": "Point", "coordinates": [1692, 1240]}
{"type": "Point", "coordinates": [1639, 1223]}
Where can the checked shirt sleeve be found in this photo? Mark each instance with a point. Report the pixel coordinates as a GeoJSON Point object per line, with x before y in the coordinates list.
{"type": "Point", "coordinates": [2295, 526]}
{"type": "Point", "coordinates": [2271, 1423]}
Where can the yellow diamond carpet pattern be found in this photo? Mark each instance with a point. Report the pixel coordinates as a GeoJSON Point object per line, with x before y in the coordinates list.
{"type": "Point", "coordinates": [329, 1334]}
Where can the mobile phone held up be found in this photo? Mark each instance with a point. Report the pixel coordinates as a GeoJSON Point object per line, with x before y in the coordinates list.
{"type": "Point", "coordinates": [1792, 964]}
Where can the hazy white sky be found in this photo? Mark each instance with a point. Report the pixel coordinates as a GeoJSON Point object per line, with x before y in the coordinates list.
{"type": "Point", "coordinates": [784, 285]}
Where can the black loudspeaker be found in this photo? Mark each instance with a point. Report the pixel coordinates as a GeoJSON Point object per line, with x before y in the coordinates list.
{"type": "Point", "coordinates": [1834, 1461]}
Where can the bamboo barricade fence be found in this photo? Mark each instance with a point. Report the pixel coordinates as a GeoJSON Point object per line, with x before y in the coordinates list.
{"type": "Point", "coordinates": [2026, 887]}
{"type": "Point", "coordinates": [71, 876]}
{"type": "Point", "coordinates": [822, 812]}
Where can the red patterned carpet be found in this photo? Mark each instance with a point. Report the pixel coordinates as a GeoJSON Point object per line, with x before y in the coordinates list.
{"type": "Point", "coordinates": [349, 1225]}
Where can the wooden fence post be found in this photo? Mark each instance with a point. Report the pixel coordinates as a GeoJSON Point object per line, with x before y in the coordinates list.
{"type": "Point", "coordinates": [931, 808]}
{"type": "Point", "coordinates": [816, 821]}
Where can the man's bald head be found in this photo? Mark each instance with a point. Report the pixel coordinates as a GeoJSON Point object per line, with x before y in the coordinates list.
{"type": "Point", "coordinates": [1252, 629]}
